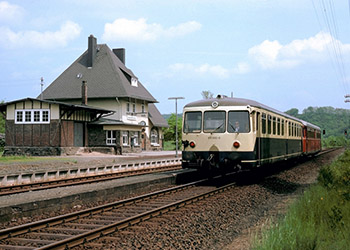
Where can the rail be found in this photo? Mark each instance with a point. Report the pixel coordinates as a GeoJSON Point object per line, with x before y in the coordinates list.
{"type": "Point", "coordinates": [120, 215]}
{"type": "Point", "coordinates": [85, 175]}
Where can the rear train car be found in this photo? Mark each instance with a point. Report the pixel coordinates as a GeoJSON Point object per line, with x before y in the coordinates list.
{"type": "Point", "coordinates": [226, 133]}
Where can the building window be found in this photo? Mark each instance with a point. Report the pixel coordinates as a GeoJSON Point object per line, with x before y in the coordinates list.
{"type": "Point", "coordinates": [45, 116]}
{"type": "Point", "coordinates": [111, 137]}
{"type": "Point", "coordinates": [28, 116]}
{"type": "Point", "coordinates": [134, 108]}
{"type": "Point", "coordinates": [32, 116]}
{"type": "Point", "coordinates": [125, 138]}
{"type": "Point", "coordinates": [135, 138]}
{"type": "Point", "coordinates": [19, 116]}
{"type": "Point", "coordinates": [143, 107]}
{"type": "Point", "coordinates": [128, 107]}
{"type": "Point", "coordinates": [154, 137]}
{"type": "Point", "coordinates": [134, 82]}
{"type": "Point", "coordinates": [36, 116]}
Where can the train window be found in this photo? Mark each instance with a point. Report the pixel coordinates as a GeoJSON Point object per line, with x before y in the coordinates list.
{"type": "Point", "coordinates": [289, 129]}
{"type": "Point", "coordinates": [269, 124]}
{"type": "Point", "coordinates": [282, 127]}
{"type": "Point", "coordinates": [193, 122]}
{"type": "Point", "coordinates": [278, 126]}
{"type": "Point", "coordinates": [318, 134]}
{"type": "Point", "coordinates": [263, 123]}
{"type": "Point", "coordinates": [274, 125]}
{"type": "Point", "coordinates": [294, 129]}
{"type": "Point", "coordinates": [214, 121]}
{"type": "Point", "coordinates": [238, 122]}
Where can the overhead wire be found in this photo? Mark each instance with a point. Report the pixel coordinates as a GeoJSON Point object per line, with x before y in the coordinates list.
{"type": "Point", "coordinates": [333, 27]}
{"type": "Point", "coordinates": [334, 49]}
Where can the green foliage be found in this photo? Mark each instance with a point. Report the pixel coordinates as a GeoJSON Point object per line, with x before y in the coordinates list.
{"type": "Point", "coordinates": [333, 121]}
{"type": "Point", "coordinates": [207, 94]}
{"type": "Point", "coordinates": [320, 219]}
{"type": "Point", "coordinates": [169, 133]}
{"type": "Point", "coordinates": [2, 122]}
{"type": "Point", "coordinates": [169, 146]}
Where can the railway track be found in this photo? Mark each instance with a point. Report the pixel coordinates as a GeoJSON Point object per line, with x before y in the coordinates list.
{"type": "Point", "coordinates": [67, 231]}
{"type": "Point", "coordinates": [41, 185]}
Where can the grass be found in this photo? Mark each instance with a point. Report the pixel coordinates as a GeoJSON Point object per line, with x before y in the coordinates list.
{"type": "Point", "coordinates": [320, 219]}
{"type": "Point", "coordinates": [24, 159]}
{"type": "Point", "coordinates": [169, 145]}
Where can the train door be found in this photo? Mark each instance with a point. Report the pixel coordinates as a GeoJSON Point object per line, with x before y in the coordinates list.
{"type": "Point", "coordinates": [258, 138]}
{"type": "Point", "coordinates": [304, 139]}
{"type": "Point", "coordinates": [287, 135]}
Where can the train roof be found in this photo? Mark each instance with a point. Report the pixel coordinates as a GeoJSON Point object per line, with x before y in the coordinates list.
{"type": "Point", "coordinates": [230, 101]}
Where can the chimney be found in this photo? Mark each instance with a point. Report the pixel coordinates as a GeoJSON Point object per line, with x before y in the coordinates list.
{"type": "Point", "coordinates": [84, 96]}
{"type": "Point", "coordinates": [120, 53]}
{"type": "Point", "coordinates": [92, 48]}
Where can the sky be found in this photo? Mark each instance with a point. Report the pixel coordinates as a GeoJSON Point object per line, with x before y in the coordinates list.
{"type": "Point", "coordinates": [282, 53]}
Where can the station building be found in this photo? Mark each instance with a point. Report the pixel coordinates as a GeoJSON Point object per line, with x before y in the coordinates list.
{"type": "Point", "coordinates": [97, 103]}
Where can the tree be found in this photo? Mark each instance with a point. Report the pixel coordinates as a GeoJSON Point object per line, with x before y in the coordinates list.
{"type": "Point", "coordinates": [293, 112]}
{"type": "Point", "coordinates": [2, 122]}
{"type": "Point", "coordinates": [207, 94]}
{"type": "Point", "coordinates": [169, 133]}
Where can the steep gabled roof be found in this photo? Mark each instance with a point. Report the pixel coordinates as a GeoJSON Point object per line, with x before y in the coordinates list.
{"type": "Point", "coordinates": [156, 118]}
{"type": "Point", "coordinates": [107, 78]}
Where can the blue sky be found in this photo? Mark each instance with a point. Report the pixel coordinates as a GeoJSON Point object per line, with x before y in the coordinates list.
{"type": "Point", "coordinates": [283, 53]}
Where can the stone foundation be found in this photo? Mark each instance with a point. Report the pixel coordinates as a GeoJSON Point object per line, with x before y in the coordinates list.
{"type": "Point", "coordinates": [32, 151]}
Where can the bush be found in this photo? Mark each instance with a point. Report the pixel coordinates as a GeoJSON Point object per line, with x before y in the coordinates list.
{"type": "Point", "coordinates": [2, 142]}
{"type": "Point", "coordinates": [318, 220]}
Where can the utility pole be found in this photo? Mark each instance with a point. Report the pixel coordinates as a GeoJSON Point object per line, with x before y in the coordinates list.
{"type": "Point", "coordinates": [176, 136]}
{"type": "Point", "coordinates": [42, 86]}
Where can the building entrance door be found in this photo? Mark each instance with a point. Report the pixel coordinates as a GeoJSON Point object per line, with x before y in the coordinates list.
{"type": "Point", "coordinates": [78, 134]}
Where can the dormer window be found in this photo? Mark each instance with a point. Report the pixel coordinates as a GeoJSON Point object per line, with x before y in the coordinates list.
{"type": "Point", "coordinates": [134, 82]}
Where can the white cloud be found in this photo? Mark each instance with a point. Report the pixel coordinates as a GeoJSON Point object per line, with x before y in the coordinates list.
{"type": "Point", "coordinates": [272, 54]}
{"type": "Point", "coordinates": [140, 30]}
{"type": "Point", "coordinates": [241, 68]}
{"type": "Point", "coordinates": [10, 12]}
{"type": "Point", "coordinates": [49, 39]}
{"type": "Point", "coordinates": [207, 69]}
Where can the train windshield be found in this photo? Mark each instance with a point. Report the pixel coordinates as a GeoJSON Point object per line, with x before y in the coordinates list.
{"type": "Point", "coordinates": [214, 121]}
{"type": "Point", "coordinates": [193, 122]}
{"type": "Point", "coordinates": [238, 122]}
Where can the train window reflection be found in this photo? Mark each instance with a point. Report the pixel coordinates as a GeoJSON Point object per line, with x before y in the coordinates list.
{"type": "Point", "coordinates": [214, 121]}
{"type": "Point", "coordinates": [193, 122]}
{"type": "Point", "coordinates": [238, 122]}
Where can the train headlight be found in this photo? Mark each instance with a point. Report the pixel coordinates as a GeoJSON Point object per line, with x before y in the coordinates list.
{"type": "Point", "coordinates": [236, 144]}
{"type": "Point", "coordinates": [192, 144]}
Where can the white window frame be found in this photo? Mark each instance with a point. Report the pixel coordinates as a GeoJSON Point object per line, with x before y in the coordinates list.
{"type": "Point", "coordinates": [27, 116]}
{"type": "Point", "coordinates": [125, 135]}
{"type": "Point", "coordinates": [143, 107]}
{"type": "Point", "coordinates": [128, 107]}
{"type": "Point", "coordinates": [136, 138]}
{"type": "Point", "coordinates": [154, 137]}
{"type": "Point", "coordinates": [111, 137]}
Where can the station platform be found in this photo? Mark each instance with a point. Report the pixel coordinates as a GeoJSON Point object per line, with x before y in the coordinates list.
{"type": "Point", "coordinates": [60, 199]}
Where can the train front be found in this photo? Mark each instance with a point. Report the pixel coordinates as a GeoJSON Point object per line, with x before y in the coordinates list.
{"type": "Point", "coordinates": [218, 134]}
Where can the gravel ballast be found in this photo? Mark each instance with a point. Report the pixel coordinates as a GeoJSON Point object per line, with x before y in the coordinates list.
{"type": "Point", "coordinates": [224, 221]}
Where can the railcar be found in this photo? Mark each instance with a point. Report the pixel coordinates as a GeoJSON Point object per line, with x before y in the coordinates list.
{"type": "Point", "coordinates": [225, 133]}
